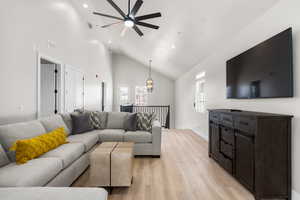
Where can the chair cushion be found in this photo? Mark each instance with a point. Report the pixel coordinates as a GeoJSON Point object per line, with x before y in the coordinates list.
{"type": "Point", "coordinates": [68, 153]}
{"type": "Point", "coordinates": [3, 157]}
{"type": "Point", "coordinates": [88, 139]}
{"type": "Point", "coordinates": [9, 134]}
{"type": "Point", "coordinates": [54, 122]}
{"type": "Point", "coordinates": [111, 135]}
{"type": "Point", "coordinates": [115, 120]}
{"type": "Point", "coordinates": [36, 172]}
{"type": "Point", "coordinates": [138, 137]}
{"type": "Point", "coordinates": [46, 193]}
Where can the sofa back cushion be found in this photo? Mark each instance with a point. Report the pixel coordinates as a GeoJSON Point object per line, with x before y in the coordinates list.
{"type": "Point", "coordinates": [3, 157]}
{"type": "Point", "coordinates": [115, 120]}
{"type": "Point", "coordinates": [54, 122]}
{"type": "Point", "coordinates": [9, 134]}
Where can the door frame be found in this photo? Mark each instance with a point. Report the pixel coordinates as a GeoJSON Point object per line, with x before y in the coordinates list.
{"type": "Point", "coordinates": [60, 66]}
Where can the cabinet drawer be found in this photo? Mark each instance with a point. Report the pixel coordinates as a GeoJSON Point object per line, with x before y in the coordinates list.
{"type": "Point", "coordinates": [226, 163]}
{"type": "Point", "coordinates": [227, 135]}
{"type": "Point", "coordinates": [226, 120]}
{"type": "Point", "coordinates": [227, 149]}
{"type": "Point", "coordinates": [245, 124]}
{"type": "Point", "coordinates": [215, 117]}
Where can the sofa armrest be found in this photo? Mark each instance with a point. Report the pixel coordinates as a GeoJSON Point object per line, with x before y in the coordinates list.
{"type": "Point", "coordinates": [156, 137]}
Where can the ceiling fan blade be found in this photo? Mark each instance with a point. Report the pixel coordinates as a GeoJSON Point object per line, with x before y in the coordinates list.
{"type": "Point", "coordinates": [124, 31]}
{"type": "Point", "coordinates": [136, 7]}
{"type": "Point", "coordinates": [147, 25]}
{"type": "Point", "coordinates": [129, 7]}
{"type": "Point", "coordinates": [117, 8]}
{"type": "Point", "coordinates": [109, 16]}
{"type": "Point", "coordinates": [108, 25]}
{"type": "Point", "coordinates": [138, 30]}
{"type": "Point", "coordinates": [150, 16]}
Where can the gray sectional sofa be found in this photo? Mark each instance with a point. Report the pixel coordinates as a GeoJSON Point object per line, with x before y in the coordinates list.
{"type": "Point", "coordinates": [61, 166]}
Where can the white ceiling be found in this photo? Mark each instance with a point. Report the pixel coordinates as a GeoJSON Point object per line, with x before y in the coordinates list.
{"type": "Point", "coordinates": [196, 28]}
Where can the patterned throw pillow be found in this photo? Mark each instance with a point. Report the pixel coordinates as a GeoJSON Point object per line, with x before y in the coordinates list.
{"type": "Point", "coordinates": [98, 119]}
{"type": "Point", "coordinates": [29, 149]}
{"type": "Point", "coordinates": [144, 121]}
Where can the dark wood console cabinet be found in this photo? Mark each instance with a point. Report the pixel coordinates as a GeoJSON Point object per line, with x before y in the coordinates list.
{"type": "Point", "coordinates": [255, 148]}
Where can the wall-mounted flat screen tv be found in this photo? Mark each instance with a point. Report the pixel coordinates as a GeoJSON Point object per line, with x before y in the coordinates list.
{"type": "Point", "coordinates": [264, 71]}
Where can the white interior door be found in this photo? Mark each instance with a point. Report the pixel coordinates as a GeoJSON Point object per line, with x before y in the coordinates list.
{"type": "Point", "coordinates": [74, 89]}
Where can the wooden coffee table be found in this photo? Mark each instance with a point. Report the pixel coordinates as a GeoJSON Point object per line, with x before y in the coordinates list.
{"type": "Point", "coordinates": [111, 165]}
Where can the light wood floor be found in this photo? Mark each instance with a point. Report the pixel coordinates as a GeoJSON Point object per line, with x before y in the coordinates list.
{"type": "Point", "coordinates": [184, 172]}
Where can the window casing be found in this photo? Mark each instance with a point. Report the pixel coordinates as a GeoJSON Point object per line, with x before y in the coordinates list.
{"type": "Point", "coordinates": [141, 96]}
{"type": "Point", "coordinates": [124, 95]}
{"type": "Point", "coordinates": [200, 101]}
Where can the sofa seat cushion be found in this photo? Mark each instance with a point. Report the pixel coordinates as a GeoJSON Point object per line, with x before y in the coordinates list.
{"type": "Point", "coordinates": [46, 193]}
{"type": "Point", "coordinates": [138, 137]}
{"type": "Point", "coordinates": [68, 153]}
{"type": "Point", "coordinates": [111, 135]}
{"type": "Point", "coordinates": [36, 172]}
{"type": "Point", "coordinates": [88, 139]}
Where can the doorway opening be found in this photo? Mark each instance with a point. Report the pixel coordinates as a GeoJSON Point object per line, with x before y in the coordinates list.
{"type": "Point", "coordinates": [50, 86]}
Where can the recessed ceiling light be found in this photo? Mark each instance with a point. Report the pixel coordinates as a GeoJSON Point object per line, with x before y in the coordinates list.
{"type": "Point", "coordinates": [85, 5]}
{"type": "Point", "coordinates": [173, 46]}
{"type": "Point", "coordinates": [109, 41]}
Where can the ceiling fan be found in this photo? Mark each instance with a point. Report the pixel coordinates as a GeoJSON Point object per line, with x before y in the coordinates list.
{"type": "Point", "coordinates": [130, 19]}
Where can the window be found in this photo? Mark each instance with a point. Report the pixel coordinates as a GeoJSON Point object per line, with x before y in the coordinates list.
{"type": "Point", "coordinates": [141, 96]}
{"type": "Point", "coordinates": [200, 93]}
{"type": "Point", "coordinates": [124, 95]}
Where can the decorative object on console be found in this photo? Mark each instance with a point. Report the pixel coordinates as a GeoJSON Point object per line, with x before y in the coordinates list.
{"type": "Point", "coordinates": [255, 148]}
{"type": "Point", "coordinates": [149, 82]}
{"type": "Point", "coordinates": [131, 20]}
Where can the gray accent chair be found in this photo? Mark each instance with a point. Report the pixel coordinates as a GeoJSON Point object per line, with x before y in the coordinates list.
{"type": "Point", "coordinates": [62, 166]}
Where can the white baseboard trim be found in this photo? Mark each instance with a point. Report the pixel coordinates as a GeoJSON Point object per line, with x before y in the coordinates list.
{"type": "Point", "coordinates": [205, 137]}
{"type": "Point", "coordinates": [295, 195]}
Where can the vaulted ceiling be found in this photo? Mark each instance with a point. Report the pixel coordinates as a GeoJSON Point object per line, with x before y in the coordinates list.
{"type": "Point", "coordinates": [189, 31]}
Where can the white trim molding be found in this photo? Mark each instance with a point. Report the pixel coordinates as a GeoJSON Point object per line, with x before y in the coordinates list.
{"type": "Point", "coordinates": [295, 195]}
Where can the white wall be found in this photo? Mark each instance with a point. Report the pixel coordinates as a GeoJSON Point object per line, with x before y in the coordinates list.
{"type": "Point", "coordinates": [283, 15]}
{"type": "Point", "coordinates": [130, 73]}
{"type": "Point", "coordinates": [26, 27]}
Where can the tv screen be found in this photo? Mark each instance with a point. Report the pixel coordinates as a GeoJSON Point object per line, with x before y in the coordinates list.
{"type": "Point", "coordinates": [264, 71]}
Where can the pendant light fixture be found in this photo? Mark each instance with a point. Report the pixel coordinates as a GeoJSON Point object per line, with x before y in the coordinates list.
{"type": "Point", "coordinates": [149, 82]}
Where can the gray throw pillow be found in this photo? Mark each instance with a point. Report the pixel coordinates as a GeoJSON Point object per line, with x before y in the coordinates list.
{"type": "Point", "coordinates": [130, 123]}
{"type": "Point", "coordinates": [144, 121]}
{"type": "Point", "coordinates": [81, 123]}
{"type": "Point", "coordinates": [98, 119]}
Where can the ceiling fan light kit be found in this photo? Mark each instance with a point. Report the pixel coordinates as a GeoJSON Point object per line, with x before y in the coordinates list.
{"type": "Point", "coordinates": [130, 19]}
